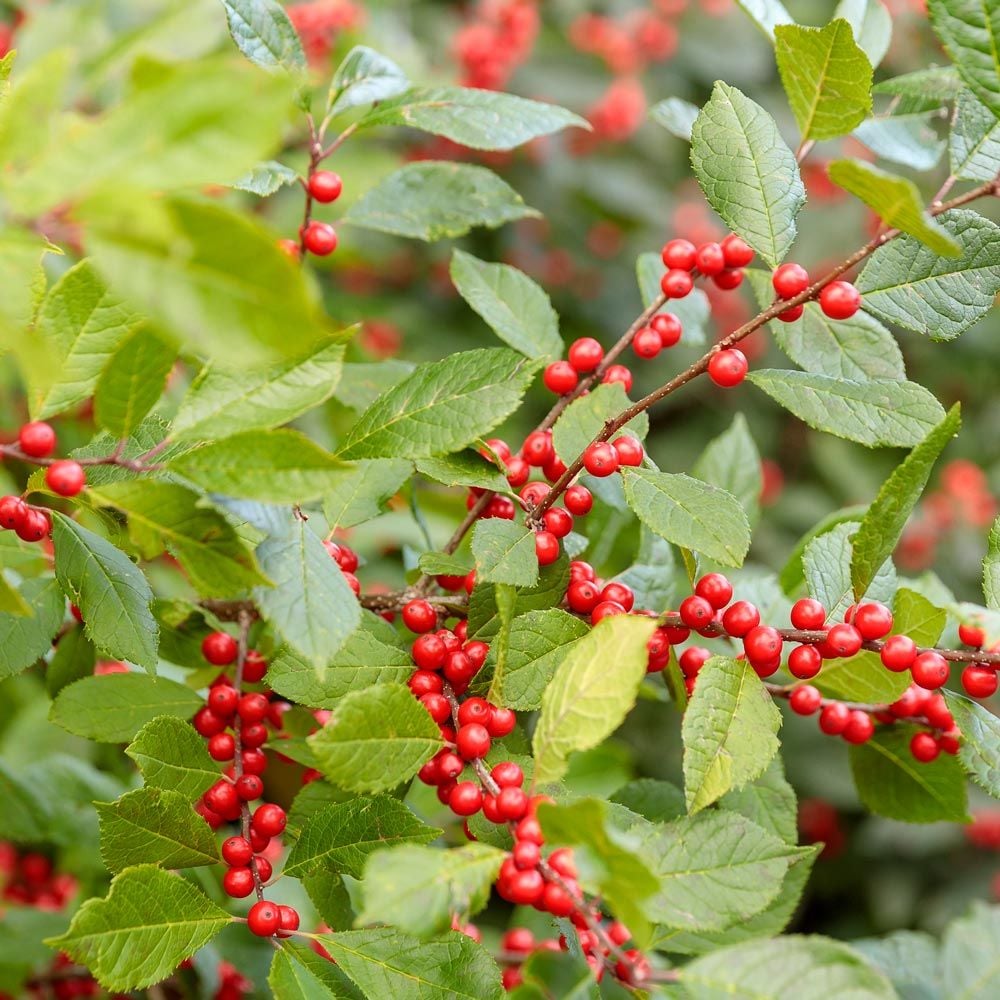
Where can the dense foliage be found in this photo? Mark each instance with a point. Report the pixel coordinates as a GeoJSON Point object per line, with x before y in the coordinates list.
{"type": "Point", "coordinates": [329, 626]}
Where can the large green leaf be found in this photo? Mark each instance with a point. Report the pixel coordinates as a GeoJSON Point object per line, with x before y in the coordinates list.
{"type": "Point", "coordinates": [729, 731]}
{"type": "Point", "coordinates": [149, 922]}
{"type": "Point", "coordinates": [731, 462]}
{"type": "Point", "coordinates": [300, 973]}
{"type": "Point", "coordinates": [484, 615]}
{"type": "Point", "coordinates": [748, 174]}
{"type": "Point", "coordinates": [691, 513]}
{"type": "Point", "coordinates": [504, 553]}
{"type": "Point", "coordinates": [896, 200]}
{"type": "Point", "coordinates": [170, 755]}
{"type": "Point", "coordinates": [154, 826]}
{"type": "Point", "coordinates": [827, 77]}
{"type": "Point", "coordinates": [26, 638]}
{"type": "Point", "coordinates": [969, 959]}
{"type": "Point", "coordinates": [980, 749]}
{"type": "Point", "coordinates": [878, 413]}
{"type": "Point", "coordinates": [974, 141]}
{"type": "Point", "coordinates": [442, 406]}
{"type": "Point", "coordinates": [910, 285]}
{"type": "Point", "coordinates": [991, 568]}
{"type": "Point", "coordinates": [109, 590]}
{"type": "Point", "coordinates": [970, 31]}
{"type": "Point", "coordinates": [434, 200]}
{"type": "Point", "coordinates": [769, 801]}
{"type": "Point", "coordinates": [364, 77]}
{"type": "Point", "coordinates": [376, 739]}
{"type": "Point", "coordinates": [516, 308]}
{"type": "Point", "coordinates": [359, 492]}
{"type": "Point", "coordinates": [480, 119]}
{"type": "Point", "coordinates": [676, 116]}
{"type": "Point", "coordinates": [263, 32]}
{"type": "Point", "coordinates": [586, 702]}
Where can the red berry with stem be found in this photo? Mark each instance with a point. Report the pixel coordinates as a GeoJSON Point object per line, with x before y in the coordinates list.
{"type": "Point", "coordinates": [629, 450]}
{"type": "Point", "coordinates": [249, 787]}
{"type": "Point", "coordinates": [585, 354]}
{"type": "Point", "coordinates": [65, 477]}
{"type": "Point", "coordinates": [472, 741]}
{"type": "Point", "coordinates": [320, 238]}
{"type": "Point", "coordinates": [264, 919]}
{"type": "Point", "coordinates": [716, 589]}
{"type": "Point", "coordinates": [668, 326]}
{"type": "Point", "coordinates": [325, 186]}
{"type": "Point", "coordinates": [600, 459]}
{"type": "Point", "coordinates": [419, 616]}
{"type": "Point", "coordinates": [288, 920]}
{"type": "Point", "coordinates": [680, 254]}
{"type": "Point", "coordinates": [219, 648]}
{"type": "Point", "coordinates": [859, 728]}
{"type": "Point", "coordinates": [805, 700]}
{"type": "Point", "coordinates": [37, 439]}
{"type": "Point", "coordinates": [740, 618]}
{"type": "Point", "coordinates": [840, 300]}
{"type": "Point", "coordinates": [972, 634]}
{"type": "Point", "coordinates": [843, 640]}
{"type": "Point", "coordinates": [924, 747]}
{"type": "Point", "coordinates": [646, 343]}
{"type": "Point", "coordinates": [254, 667]}
{"type": "Point", "coordinates": [898, 653]}
{"type": "Point", "coordinates": [696, 612]}
{"type": "Point", "coordinates": [269, 820]}
{"type": "Point", "coordinates": [507, 774]}
{"type": "Point", "coordinates": [466, 798]}
{"type": "Point", "coordinates": [790, 280]}
{"type": "Point", "coordinates": [546, 547]}
{"type": "Point", "coordinates": [561, 378]}
{"type": "Point", "coordinates": [804, 662]}
{"type": "Point", "coordinates": [223, 699]}
{"type": "Point", "coordinates": [238, 882]}
{"type": "Point", "coordinates": [728, 368]}
{"type": "Point", "coordinates": [762, 644]}
{"type": "Point", "coordinates": [578, 500]}
{"type": "Point", "coordinates": [808, 614]}
{"type": "Point", "coordinates": [558, 521]}
{"type": "Point", "coordinates": [736, 251]}
{"type": "Point", "coordinates": [618, 373]}
{"type": "Point", "coordinates": [557, 901]}
{"type": "Point", "coordinates": [676, 284]}
{"type": "Point", "coordinates": [710, 259]}
{"type": "Point", "coordinates": [929, 670]}
{"type": "Point", "coordinates": [979, 681]}
{"type": "Point", "coordinates": [834, 718]}
{"type": "Point", "coordinates": [537, 448]}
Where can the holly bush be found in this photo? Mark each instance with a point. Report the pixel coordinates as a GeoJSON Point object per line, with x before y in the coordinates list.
{"type": "Point", "coordinates": [328, 626]}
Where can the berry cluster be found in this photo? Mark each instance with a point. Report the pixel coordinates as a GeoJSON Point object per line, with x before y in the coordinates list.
{"type": "Point", "coordinates": [496, 41]}
{"type": "Point", "coordinates": [29, 879]}
{"type": "Point", "coordinates": [624, 45]}
{"type": "Point", "coordinates": [320, 22]}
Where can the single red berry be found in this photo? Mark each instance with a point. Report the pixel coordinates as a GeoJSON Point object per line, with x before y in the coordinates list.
{"type": "Point", "coordinates": [620, 594]}
{"type": "Point", "coordinates": [580, 570]}
{"type": "Point", "coordinates": [898, 653]}
{"type": "Point", "coordinates": [472, 741]}
{"type": "Point", "coordinates": [692, 660]}
{"type": "Point", "coordinates": [526, 888]}
{"type": "Point", "coordinates": [236, 851]}
{"type": "Point", "coordinates": [600, 459]}
{"type": "Point", "coordinates": [288, 920]}
{"type": "Point", "coordinates": [264, 918]}
{"type": "Point", "coordinates": [219, 648]}
{"type": "Point", "coordinates": [583, 596]}
{"type": "Point", "coordinates": [618, 373]}
{"type": "Point", "coordinates": [606, 609]}
{"type": "Point", "coordinates": [804, 662]}
{"type": "Point", "coordinates": [546, 547]}
{"type": "Point", "coordinates": [466, 798]}
{"type": "Point", "coordinates": [34, 526]}
{"type": "Point", "coordinates": [238, 882]}
{"type": "Point", "coordinates": [972, 634]}
{"type": "Point", "coordinates": [790, 280]}
{"type": "Point", "coordinates": [206, 723]}
{"type": "Point", "coordinates": [428, 652]}
{"type": "Point", "coordinates": [222, 746]}
{"type": "Point", "coordinates": [646, 343]}
{"type": "Point", "coordinates": [680, 254]}
{"type": "Point", "coordinates": [873, 620]}
{"type": "Point", "coordinates": [696, 612]}
{"type": "Point", "coordinates": [924, 747]}
{"type": "Point", "coordinates": [578, 500]}
{"type": "Point", "coordinates": [223, 699]}
{"type": "Point", "coordinates": [716, 589]}
{"type": "Point", "coordinates": [843, 640]}
{"type": "Point", "coordinates": [325, 186]}
{"type": "Point", "coordinates": [669, 328]}
{"type": "Point", "coordinates": [12, 511]}
{"type": "Point", "coordinates": [585, 354]}
{"type": "Point", "coordinates": [502, 722]}
{"type": "Point", "coordinates": [676, 284]}
{"type": "Point", "coordinates": [507, 774]}
{"type": "Point", "coordinates": [37, 439]}
{"type": "Point", "coordinates": [474, 649]}
{"type": "Point", "coordinates": [518, 471]}
{"type": "Point", "coordinates": [736, 251]}
{"type": "Point", "coordinates": [65, 477]}
{"type": "Point", "coordinates": [458, 667]}
{"type": "Point", "coordinates": [929, 670]}
{"type": "Point", "coordinates": [834, 718]}
{"type": "Point", "coordinates": [840, 300]}
{"type": "Point", "coordinates": [537, 448]}
{"type": "Point", "coordinates": [740, 618]}
{"type": "Point", "coordinates": [808, 614]}
{"type": "Point", "coordinates": [710, 259]}
{"type": "Point", "coordinates": [979, 680]}
{"type": "Point", "coordinates": [728, 368]}
{"type": "Point", "coordinates": [423, 682]}
{"type": "Point", "coordinates": [437, 706]}
{"type": "Point", "coordinates": [629, 450]}
{"type": "Point", "coordinates": [253, 707]}
{"type": "Point", "coordinates": [558, 521]}
{"type": "Point", "coordinates": [729, 279]}
{"type": "Point", "coordinates": [762, 644]}
{"type": "Point", "coordinates": [254, 667]}
{"type": "Point", "coordinates": [805, 700]}
{"type": "Point", "coordinates": [553, 468]}
{"type": "Point", "coordinates": [419, 616]}
{"type": "Point", "coordinates": [249, 787]}
{"type": "Point", "coordinates": [474, 710]}
{"type": "Point", "coordinates": [560, 377]}
{"type": "Point", "coordinates": [258, 841]}
{"type": "Point", "coordinates": [518, 939]}
{"type": "Point", "coordinates": [269, 820]}
{"type": "Point", "coordinates": [936, 712]}
{"type": "Point", "coordinates": [557, 901]}
{"type": "Point", "coordinates": [320, 238]}
{"type": "Point", "coordinates": [792, 314]}
{"type": "Point", "coordinates": [222, 798]}
{"type": "Point", "coordinates": [512, 803]}
{"type": "Point", "coordinates": [859, 728]}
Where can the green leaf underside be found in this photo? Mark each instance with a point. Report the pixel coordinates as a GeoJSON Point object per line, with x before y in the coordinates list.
{"type": "Point", "coordinates": [263, 32]}
{"type": "Point", "coordinates": [365, 76]}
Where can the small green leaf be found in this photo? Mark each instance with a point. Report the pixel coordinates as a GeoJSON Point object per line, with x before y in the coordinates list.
{"type": "Point", "coordinates": [584, 418]}
{"type": "Point", "coordinates": [464, 468]}
{"type": "Point", "coordinates": [991, 568]}
{"type": "Point", "coordinates": [896, 200]}
{"type": "Point", "coordinates": [149, 922]}
{"type": "Point", "coordinates": [970, 32]}
{"type": "Point", "coordinates": [732, 463]}
{"type": "Point", "coordinates": [767, 15]}
{"type": "Point", "coordinates": [266, 178]}
{"type": "Point", "coordinates": [979, 752]}
{"type": "Point", "coordinates": [376, 739]}
{"type": "Point", "coordinates": [729, 731]}
{"type": "Point", "coordinates": [364, 77]}
{"type": "Point", "coordinates": [435, 200]}
{"type": "Point", "coordinates": [749, 176]}
{"type": "Point", "coordinates": [910, 140]}
{"type": "Point", "coordinates": [26, 638]}
{"type": "Point", "coordinates": [871, 24]}
{"type": "Point", "coordinates": [73, 659]}
{"type": "Point", "coordinates": [940, 83]}
{"type": "Point", "coordinates": [827, 77]}
{"type": "Point", "coordinates": [657, 801]}
{"type": "Point", "coordinates": [974, 142]}
{"type": "Point", "coordinates": [586, 702]}
{"type": "Point", "coordinates": [676, 116]}
{"type": "Point", "coordinates": [263, 32]}
{"type": "Point", "coordinates": [504, 553]}
{"type": "Point", "coordinates": [170, 755]}
{"type": "Point", "coordinates": [769, 801]}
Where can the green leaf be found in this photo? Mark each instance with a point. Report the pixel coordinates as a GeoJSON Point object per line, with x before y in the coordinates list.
{"type": "Point", "coordinates": [342, 836]}
{"type": "Point", "coordinates": [691, 513]}
{"type": "Point", "coordinates": [657, 801]}
{"type": "Point", "coordinates": [114, 707]}
{"type": "Point", "coordinates": [871, 24]}
{"type": "Point", "coordinates": [221, 402]}
{"type": "Point", "coordinates": [210, 276]}
{"type": "Point", "coordinates": [504, 553]}
{"type": "Point", "coordinates": [940, 83]}
{"type": "Point", "coordinates": [896, 200]}
{"type": "Point", "coordinates": [154, 826]}
{"type": "Point", "coordinates": [464, 468]}
{"type": "Point", "coordinates": [26, 638]}
{"type": "Point", "coordinates": [970, 32]}
{"type": "Point", "coordinates": [515, 307]}
{"type": "Point", "coordinates": [974, 141]}
{"type": "Point", "coordinates": [484, 619]}
{"type": "Point", "coordinates": [979, 752]}
{"type": "Point", "coordinates": [418, 888]}
{"type": "Point", "coordinates": [299, 973]}
{"type": "Point", "coordinates": [714, 870]}
{"type": "Point", "coordinates": [651, 575]}
{"type": "Point", "coordinates": [969, 962]}
{"type": "Point", "coordinates": [827, 77]}
{"type": "Point", "coordinates": [187, 128]}
{"type": "Point", "coordinates": [767, 15]}
{"type": "Point", "coordinates": [359, 492]}
{"type": "Point", "coordinates": [892, 783]}
{"type": "Point", "coordinates": [263, 32]}
{"type": "Point", "coordinates": [310, 605]}
{"type": "Point", "coordinates": [732, 463]}
{"type": "Point", "coordinates": [266, 178]}
{"type": "Point", "coordinates": [82, 325]}
{"type": "Point", "coordinates": [586, 702]}
{"type": "Point", "coordinates": [170, 755]}
{"type": "Point", "coordinates": [908, 284]}
{"type": "Point", "coordinates": [109, 590]}
{"type": "Point", "coordinates": [748, 174]}
{"type": "Point", "coordinates": [364, 77]}
{"type": "Point", "coordinates": [386, 963]}
{"type": "Point", "coordinates": [769, 801]}
{"type": "Point", "coordinates": [26, 815]}
{"type": "Point", "coordinates": [478, 119]}
{"type": "Point", "coordinates": [879, 413]}
{"type": "Point", "coordinates": [149, 922]}
{"type": "Point", "coordinates": [584, 419]}
{"type": "Point", "coordinates": [785, 968]}
{"type": "Point", "coordinates": [887, 516]}
{"type": "Point", "coordinates": [536, 645]}
{"type": "Point", "coordinates": [376, 739]}
{"type": "Point", "coordinates": [278, 466]}
{"type": "Point", "coordinates": [436, 200]}
{"type": "Point", "coordinates": [910, 140]}
{"type": "Point", "coordinates": [728, 731]}
{"type": "Point", "coordinates": [74, 658]}
{"type": "Point", "coordinates": [991, 568]}
{"type": "Point", "coordinates": [910, 959]}
{"type": "Point", "coordinates": [442, 406]}
{"type": "Point", "coordinates": [676, 116]}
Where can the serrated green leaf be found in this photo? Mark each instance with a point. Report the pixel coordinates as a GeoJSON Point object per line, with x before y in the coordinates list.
{"type": "Point", "coordinates": [263, 32]}
{"type": "Point", "coordinates": [941, 83]}
{"type": "Point", "coordinates": [341, 837]}
{"type": "Point", "coordinates": [769, 802]}
{"type": "Point", "coordinates": [969, 962]}
{"type": "Point", "coordinates": [464, 468]}
{"type": "Point", "coordinates": [26, 638]}
{"type": "Point", "coordinates": [504, 553]}
{"type": "Point", "coordinates": [991, 568]}
{"type": "Point", "coordinates": [171, 755]}
{"type": "Point", "coordinates": [418, 888]}
{"type": "Point", "coordinates": [907, 284]}
{"type": "Point", "coordinates": [980, 749]}
{"type": "Point", "coordinates": [74, 658]}
{"type": "Point", "coordinates": [871, 24]}
{"type": "Point", "coordinates": [896, 200]}
{"type": "Point", "coordinates": [376, 739]}
{"type": "Point", "coordinates": [766, 14]}
{"type": "Point", "coordinates": [974, 141]}
{"type": "Point", "coordinates": [584, 418]}
{"type": "Point", "coordinates": [149, 922]}
{"type": "Point", "coordinates": [266, 178]}
{"type": "Point", "coordinates": [359, 492]}
{"type": "Point", "coordinates": [479, 119]}
{"type": "Point", "coordinates": [442, 406]}
{"type": "Point", "coordinates": [515, 307]}
{"type": "Point", "coordinates": [484, 618]}
{"type": "Point", "coordinates": [436, 200]}
{"type": "Point", "coordinates": [109, 590]}
{"type": "Point", "coordinates": [114, 707]}
{"type": "Point", "coordinates": [310, 605]}
{"type": "Point", "coordinates": [657, 801]}
{"type": "Point", "coordinates": [827, 77]}
{"type": "Point", "coordinates": [223, 401]}
{"type": "Point", "coordinates": [748, 174]}
{"type": "Point", "coordinates": [910, 140]}
{"type": "Point", "coordinates": [11, 601]}
{"type": "Point", "coordinates": [299, 973]}
{"type": "Point", "coordinates": [691, 513]}
{"type": "Point", "coordinates": [676, 116]}
{"type": "Point", "coordinates": [365, 76]}
{"type": "Point", "coordinates": [729, 731]}
{"type": "Point", "coordinates": [154, 826]}
{"type": "Point", "coordinates": [586, 702]}
{"type": "Point", "coordinates": [732, 463]}
{"type": "Point", "coordinates": [879, 413]}
{"type": "Point", "coordinates": [910, 959]}
{"type": "Point", "coordinates": [970, 32]}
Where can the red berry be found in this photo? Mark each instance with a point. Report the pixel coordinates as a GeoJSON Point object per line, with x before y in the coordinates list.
{"type": "Point", "coordinates": [475, 650]}
{"type": "Point", "coordinates": [924, 747]}
{"type": "Point", "coordinates": [428, 652]}
{"type": "Point", "coordinates": [843, 640]}
{"type": "Point", "coordinates": [12, 511]}
{"type": "Point", "coordinates": [325, 186]}
{"type": "Point", "coordinates": [936, 712]}
{"type": "Point", "coordinates": [419, 616]}
{"type": "Point", "coordinates": [546, 548]}
{"type": "Point", "coordinates": [34, 526]}
{"type": "Point", "coordinates": [249, 787]}
{"type": "Point", "coordinates": [465, 798]}
{"type": "Point", "coordinates": [618, 373]}
{"type": "Point", "coordinates": [502, 722]}
{"type": "Point", "coordinates": [805, 700]}
{"type": "Point", "coordinates": [269, 820]}
{"type": "Point", "coordinates": [537, 448]}
{"type": "Point", "coordinates": [728, 368]}
{"type": "Point", "coordinates": [507, 774]}
{"type": "Point", "coordinates": [762, 644]}
{"type": "Point", "coordinates": [696, 612]}
{"type": "Point", "coordinates": [222, 798]}
{"type": "Point", "coordinates": [606, 609]}
{"type": "Point", "coordinates": [692, 660]}
{"type": "Point", "coordinates": [646, 343]}
{"type": "Point", "coordinates": [804, 662]}
{"type": "Point", "coordinates": [578, 500]}
{"type": "Point", "coordinates": [728, 280]}
{"type": "Point", "coordinates": [579, 570]}
{"type": "Point", "coordinates": [254, 667]}
{"type": "Point", "coordinates": [929, 670]}
{"type": "Point", "coordinates": [792, 314]}
{"type": "Point", "coordinates": [222, 700]}
{"type": "Point", "coordinates": [840, 300]}
{"type": "Point", "coordinates": [628, 450]}
{"type": "Point", "coordinates": [585, 354]}
{"type": "Point", "coordinates": [620, 594]}
{"type": "Point", "coordinates": [669, 328]}
{"type": "Point", "coordinates": [710, 259]}
{"type": "Point", "coordinates": [859, 728]}
{"type": "Point", "coordinates": [499, 447]}
{"type": "Point", "coordinates": [472, 741]}
{"type": "Point", "coordinates": [557, 901]}
{"type": "Point", "coordinates": [980, 681]}
{"type": "Point", "coordinates": [222, 746]}
{"type": "Point", "coordinates": [320, 238]}
{"type": "Point", "coordinates": [558, 521]}
{"type": "Point", "coordinates": [716, 589]}
{"type": "Point", "coordinates": [526, 888]}
{"type": "Point", "coordinates": [790, 280]}
{"type": "Point", "coordinates": [207, 723]}
{"type": "Point", "coordinates": [740, 618]}
{"type": "Point", "coordinates": [253, 707]}
{"type": "Point", "coordinates": [518, 471]}
{"type": "Point", "coordinates": [898, 653]}
{"type": "Point", "coordinates": [65, 477]}
{"type": "Point", "coordinates": [600, 459]}
{"type": "Point", "coordinates": [679, 254]}
{"type": "Point", "coordinates": [972, 634]}
{"type": "Point", "coordinates": [518, 939]}
{"type": "Point", "coordinates": [288, 920]}
{"type": "Point", "coordinates": [583, 596]}
{"type": "Point", "coordinates": [676, 284]}
{"type": "Point", "coordinates": [736, 251]}
{"type": "Point", "coordinates": [264, 918]}
{"type": "Point", "coordinates": [873, 620]}
{"type": "Point", "coordinates": [808, 614]}
{"type": "Point", "coordinates": [560, 377]}
{"type": "Point", "coordinates": [834, 718]}
{"type": "Point", "coordinates": [238, 882]}
{"type": "Point", "coordinates": [512, 803]}
{"type": "Point", "coordinates": [436, 705]}
{"type": "Point", "coordinates": [561, 861]}
{"type": "Point", "coordinates": [219, 648]}
{"type": "Point", "coordinates": [37, 439]}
